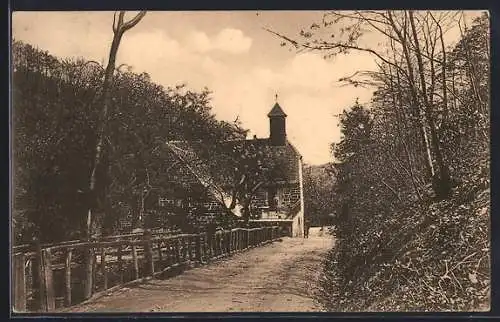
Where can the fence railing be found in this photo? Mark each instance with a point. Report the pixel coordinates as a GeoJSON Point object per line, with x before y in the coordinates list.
{"type": "Point", "coordinates": [47, 278]}
{"type": "Point", "coordinates": [27, 247]}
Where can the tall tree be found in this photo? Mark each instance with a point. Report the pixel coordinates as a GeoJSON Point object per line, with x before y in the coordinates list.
{"type": "Point", "coordinates": [119, 28]}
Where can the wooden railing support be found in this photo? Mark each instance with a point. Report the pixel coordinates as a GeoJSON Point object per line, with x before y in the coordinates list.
{"type": "Point", "coordinates": [37, 277]}
{"type": "Point", "coordinates": [148, 253]}
{"type": "Point", "coordinates": [120, 263]}
{"type": "Point", "coordinates": [190, 247]}
{"type": "Point", "coordinates": [136, 262]}
{"type": "Point", "coordinates": [89, 274]}
{"type": "Point", "coordinates": [198, 248]}
{"type": "Point", "coordinates": [177, 249]}
{"type": "Point", "coordinates": [103, 268]}
{"type": "Point", "coordinates": [67, 275]}
{"type": "Point", "coordinates": [49, 299]}
{"type": "Point", "coordinates": [19, 283]}
{"type": "Point", "coordinates": [160, 256]}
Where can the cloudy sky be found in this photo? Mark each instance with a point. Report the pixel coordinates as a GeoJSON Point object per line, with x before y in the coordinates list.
{"type": "Point", "coordinates": [228, 52]}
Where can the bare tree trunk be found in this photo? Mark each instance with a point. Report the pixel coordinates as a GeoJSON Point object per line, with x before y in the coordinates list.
{"type": "Point", "coordinates": [119, 28]}
{"type": "Point", "coordinates": [399, 120]}
{"type": "Point", "coordinates": [453, 89]}
{"type": "Point", "coordinates": [442, 184]}
{"type": "Point", "coordinates": [443, 69]}
{"type": "Point", "coordinates": [413, 90]}
{"type": "Point", "coordinates": [247, 200]}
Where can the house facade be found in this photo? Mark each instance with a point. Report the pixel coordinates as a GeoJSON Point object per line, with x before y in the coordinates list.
{"type": "Point", "coordinates": [203, 195]}
{"type": "Point", "coordinates": [282, 200]}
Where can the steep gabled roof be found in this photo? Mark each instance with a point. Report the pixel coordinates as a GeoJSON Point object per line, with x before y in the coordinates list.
{"type": "Point", "coordinates": [188, 156]}
{"type": "Point", "coordinates": [192, 155]}
{"type": "Point", "coordinates": [276, 111]}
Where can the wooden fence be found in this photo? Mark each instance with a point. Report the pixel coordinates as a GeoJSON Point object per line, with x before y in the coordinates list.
{"type": "Point", "coordinates": [48, 277]}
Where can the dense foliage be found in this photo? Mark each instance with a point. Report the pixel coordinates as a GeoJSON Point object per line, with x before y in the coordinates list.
{"type": "Point", "coordinates": [412, 172]}
{"type": "Point", "coordinates": [319, 184]}
{"type": "Point", "coordinates": [403, 243]}
{"type": "Point", "coordinates": [54, 137]}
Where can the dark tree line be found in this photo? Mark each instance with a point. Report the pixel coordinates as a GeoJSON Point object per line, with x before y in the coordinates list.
{"type": "Point", "coordinates": [55, 132]}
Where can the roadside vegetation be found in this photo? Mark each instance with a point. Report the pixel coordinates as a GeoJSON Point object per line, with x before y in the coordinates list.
{"type": "Point", "coordinates": [411, 174]}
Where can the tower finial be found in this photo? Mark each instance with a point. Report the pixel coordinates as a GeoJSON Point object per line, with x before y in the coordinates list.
{"type": "Point", "coordinates": [276, 97]}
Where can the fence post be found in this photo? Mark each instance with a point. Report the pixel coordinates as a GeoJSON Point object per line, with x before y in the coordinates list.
{"type": "Point", "coordinates": [48, 280]}
{"type": "Point", "coordinates": [36, 275]}
{"type": "Point", "coordinates": [120, 262]}
{"type": "Point", "coordinates": [136, 263]}
{"type": "Point", "coordinates": [160, 257]}
{"type": "Point", "coordinates": [198, 248]}
{"type": "Point", "coordinates": [94, 270]}
{"type": "Point", "coordinates": [67, 268]}
{"type": "Point", "coordinates": [190, 247]}
{"type": "Point", "coordinates": [236, 240]}
{"type": "Point", "coordinates": [89, 274]}
{"type": "Point", "coordinates": [19, 283]}
{"type": "Point", "coordinates": [148, 252]}
{"type": "Point", "coordinates": [215, 240]}
{"type": "Point", "coordinates": [206, 247]}
{"type": "Point", "coordinates": [221, 243]}
{"type": "Point", "coordinates": [185, 248]}
{"type": "Point", "coordinates": [178, 254]}
{"type": "Point", "coordinates": [103, 268]}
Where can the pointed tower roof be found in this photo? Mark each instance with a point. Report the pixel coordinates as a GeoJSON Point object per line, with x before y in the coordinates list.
{"type": "Point", "coordinates": [276, 111]}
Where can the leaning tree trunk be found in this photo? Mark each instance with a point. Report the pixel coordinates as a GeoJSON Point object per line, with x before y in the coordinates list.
{"type": "Point", "coordinates": [119, 28]}
{"type": "Point", "coordinates": [416, 110]}
{"type": "Point", "coordinates": [442, 181]}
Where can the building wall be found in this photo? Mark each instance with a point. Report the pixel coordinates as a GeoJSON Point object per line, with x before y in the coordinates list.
{"type": "Point", "coordinates": [298, 225]}
{"type": "Point", "coordinates": [300, 216]}
{"type": "Point", "coordinates": [291, 195]}
{"type": "Point", "coordinates": [288, 194]}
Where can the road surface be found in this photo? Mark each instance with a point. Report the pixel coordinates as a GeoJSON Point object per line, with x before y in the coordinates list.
{"type": "Point", "coordinates": [279, 277]}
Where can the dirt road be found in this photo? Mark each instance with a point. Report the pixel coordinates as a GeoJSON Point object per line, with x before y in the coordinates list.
{"type": "Point", "coordinates": [280, 277]}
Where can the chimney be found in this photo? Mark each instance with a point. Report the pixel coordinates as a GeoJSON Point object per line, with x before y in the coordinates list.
{"type": "Point", "coordinates": [277, 125]}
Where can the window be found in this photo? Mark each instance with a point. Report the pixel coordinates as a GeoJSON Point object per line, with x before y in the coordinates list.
{"type": "Point", "coordinates": [163, 202]}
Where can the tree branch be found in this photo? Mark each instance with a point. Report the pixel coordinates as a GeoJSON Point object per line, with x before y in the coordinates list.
{"type": "Point", "coordinates": [330, 46]}
{"type": "Point", "coordinates": [132, 22]}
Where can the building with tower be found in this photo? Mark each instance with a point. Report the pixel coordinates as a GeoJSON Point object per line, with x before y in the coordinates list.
{"type": "Point", "coordinates": [276, 197]}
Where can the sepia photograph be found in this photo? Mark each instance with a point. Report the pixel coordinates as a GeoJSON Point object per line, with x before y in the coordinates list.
{"type": "Point", "coordinates": [250, 161]}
